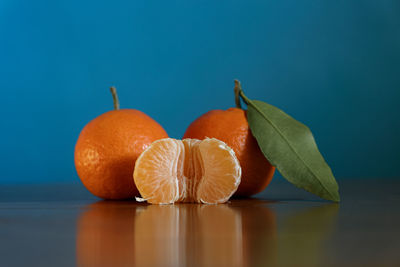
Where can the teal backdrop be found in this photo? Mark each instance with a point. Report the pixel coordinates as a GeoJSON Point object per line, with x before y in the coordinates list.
{"type": "Point", "coordinates": [334, 65]}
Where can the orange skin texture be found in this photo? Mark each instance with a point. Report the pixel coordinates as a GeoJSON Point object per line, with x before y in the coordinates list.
{"type": "Point", "coordinates": [231, 126]}
{"type": "Point", "coordinates": [107, 149]}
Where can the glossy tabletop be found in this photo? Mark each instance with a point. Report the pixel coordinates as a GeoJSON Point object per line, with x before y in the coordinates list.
{"type": "Point", "coordinates": [64, 225]}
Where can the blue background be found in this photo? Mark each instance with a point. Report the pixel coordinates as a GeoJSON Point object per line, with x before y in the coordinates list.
{"type": "Point", "coordinates": [334, 65]}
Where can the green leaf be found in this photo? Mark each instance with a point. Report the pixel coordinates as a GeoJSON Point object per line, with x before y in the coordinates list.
{"type": "Point", "coordinates": [290, 146]}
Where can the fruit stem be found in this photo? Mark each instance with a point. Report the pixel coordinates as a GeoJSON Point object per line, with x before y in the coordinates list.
{"type": "Point", "coordinates": [239, 93]}
{"type": "Point", "coordinates": [115, 97]}
{"type": "Point", "coordinates": [237, 90]}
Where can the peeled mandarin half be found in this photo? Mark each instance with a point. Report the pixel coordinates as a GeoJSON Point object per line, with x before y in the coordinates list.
{"type": "Point", "coordinates": [188, 170]}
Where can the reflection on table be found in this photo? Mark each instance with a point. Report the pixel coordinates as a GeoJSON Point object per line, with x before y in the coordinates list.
{"type": "Point", "coordinates": [241, 233]}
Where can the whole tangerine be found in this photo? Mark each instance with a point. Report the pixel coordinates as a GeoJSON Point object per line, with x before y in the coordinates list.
{"type": "Point", "coordinates": [107, 149]}
{"type": "Point", "coordinates": [231, 127]}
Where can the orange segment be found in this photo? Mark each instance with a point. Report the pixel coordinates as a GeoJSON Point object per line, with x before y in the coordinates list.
{"type": "Point", "coordinates": [191, 172]}
{"type": "Point", "coordinates": [157, 171]}
{"type": "Point", "coordinates": [188, 170]}
{"type": "Point", "coordinates": [221, 172]}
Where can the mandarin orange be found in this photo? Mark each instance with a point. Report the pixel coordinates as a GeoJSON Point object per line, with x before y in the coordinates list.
{"type": "Point", "coordinates": [108, 147]}
{"type": "Point", "coordinates": [231, 127]}
{"type": "Point", "coordinates": [188, 170]}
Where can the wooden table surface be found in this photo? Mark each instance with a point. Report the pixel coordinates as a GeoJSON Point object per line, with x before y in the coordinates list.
{"type": "Point", "coordinates": [64, 225]}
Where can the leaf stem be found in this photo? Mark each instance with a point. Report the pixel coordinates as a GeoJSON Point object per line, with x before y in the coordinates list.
{"type": "Point", "coordinates": [115, 97]}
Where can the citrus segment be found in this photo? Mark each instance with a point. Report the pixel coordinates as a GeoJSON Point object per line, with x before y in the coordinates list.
{"type": "Point", "coordinates": [158, 171]}
{"type": "Point", "coordinates": [220, 171]}
{"type": "Point", "coordinates": [188, 170]}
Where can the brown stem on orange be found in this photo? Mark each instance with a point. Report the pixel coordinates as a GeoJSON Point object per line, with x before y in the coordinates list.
{"type": "Point", "coordinates": [237, 90]}
{"type": "Point", "coordinates": [115, 97]}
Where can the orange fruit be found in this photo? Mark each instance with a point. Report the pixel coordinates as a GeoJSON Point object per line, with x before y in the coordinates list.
{"type": "Point", "coordinates": [188, 170]}
{"type": "Point", "coordinates": [108, 147]}
{"type": "Point", "coordinates": [231, 127]}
